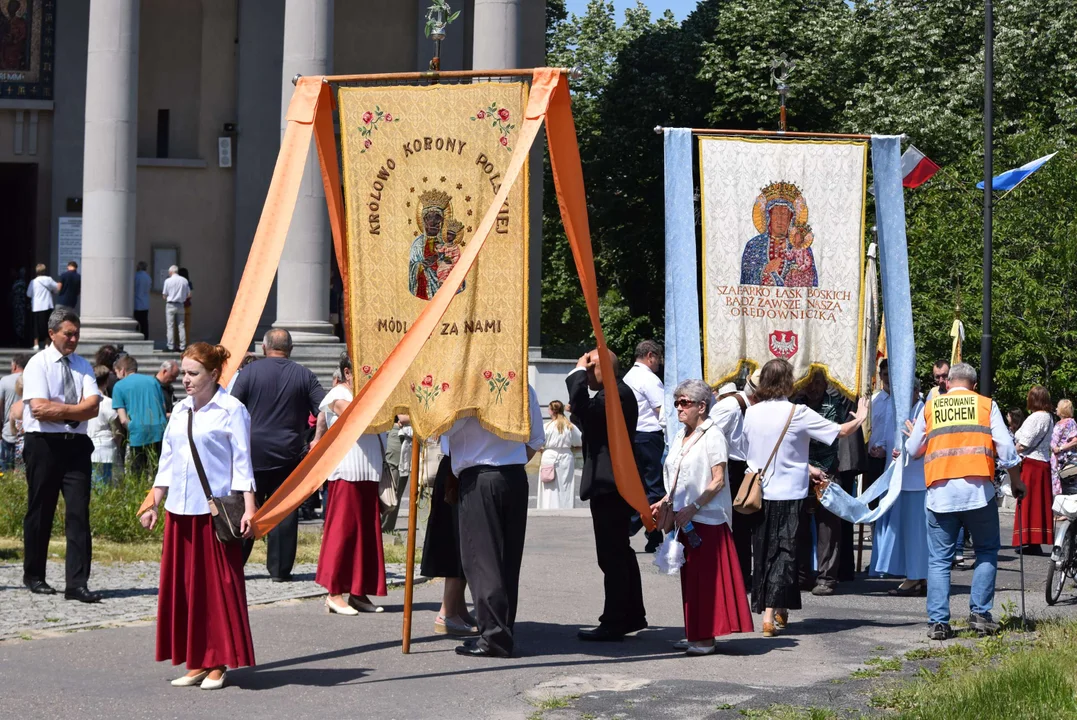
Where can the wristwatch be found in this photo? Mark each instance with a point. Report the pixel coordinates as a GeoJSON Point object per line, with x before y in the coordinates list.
{"type": "Point", "coordinates": [696, 506]}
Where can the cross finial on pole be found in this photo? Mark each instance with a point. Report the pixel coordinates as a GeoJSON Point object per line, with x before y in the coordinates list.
{"type": "Point", "coordinates": [438, 17]}
{"type": "Point", "coordinates": [780, 67]}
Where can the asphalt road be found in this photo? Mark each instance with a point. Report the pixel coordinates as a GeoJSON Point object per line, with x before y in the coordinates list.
{"type": "Point", "coordinates": [318, 666]}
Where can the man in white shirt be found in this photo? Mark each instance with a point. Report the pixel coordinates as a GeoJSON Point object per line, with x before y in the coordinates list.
{"type": "Point", "coordinates": [175, 292]}
{"type": "Point", "coordinates": [492, 490]}
{"type": "Point", "coordinates": [883, 428]}
{"type": "Point", "coordinates": [60, 395]}
{"type": "Point", "coordinates": [650, 442]}
{"type": "Point", "coordinates": [40, 292]}
{"type": "Point", "coordinates": [728, 416]}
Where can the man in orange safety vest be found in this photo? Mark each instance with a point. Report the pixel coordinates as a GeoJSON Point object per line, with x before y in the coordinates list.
{"type": "Point", "coordinates": [961, 437]}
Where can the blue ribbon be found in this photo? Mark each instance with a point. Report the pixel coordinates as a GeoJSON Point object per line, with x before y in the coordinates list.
{"type": "Point", "coordinates": [684, 359]}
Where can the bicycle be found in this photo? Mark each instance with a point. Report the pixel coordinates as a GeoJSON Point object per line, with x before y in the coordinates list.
{"type": "Point", "coordinates": [1064, 567]}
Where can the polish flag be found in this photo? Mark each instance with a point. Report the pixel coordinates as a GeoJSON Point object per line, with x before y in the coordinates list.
{"type": "Point", "coordinates": [916, 168]}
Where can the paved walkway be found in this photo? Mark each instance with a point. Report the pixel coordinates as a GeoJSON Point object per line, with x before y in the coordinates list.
{"type": "Point", "coordinates": [130, 594]}
{"type": "Point", "coordinates": [313, 665]}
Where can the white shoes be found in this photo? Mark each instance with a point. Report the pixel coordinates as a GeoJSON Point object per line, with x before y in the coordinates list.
{"type": "Point", "coordinates": [331, 607]}
{"type": "Point", "coordinates": [208, 684]}
{"type": "Point", "coordinates": [190, 681]}
{"type": "Point", "coordinates": [694, 649]}
{"type": "Point", "coordinates": [682, 644]}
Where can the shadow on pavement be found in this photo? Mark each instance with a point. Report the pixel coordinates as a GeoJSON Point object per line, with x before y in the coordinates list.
{"type": "Point", "coordinates": [257, 678]}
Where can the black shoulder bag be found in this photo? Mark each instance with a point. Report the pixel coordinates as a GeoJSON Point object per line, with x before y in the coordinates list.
{"type": "Point", "coordinates": [227, 511]}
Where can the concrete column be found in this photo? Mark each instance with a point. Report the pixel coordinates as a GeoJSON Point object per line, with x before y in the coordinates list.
{"type": "Point", "coordinates": [108, 179]}
{"type": "Point", "coordinates": [303, 276]}
{"type": "Point", "coordinates": [258, 97]}
{"type": "Point", "coordinates": [499, 27]}
{"type": "Point", "coordinates": [497, 34]}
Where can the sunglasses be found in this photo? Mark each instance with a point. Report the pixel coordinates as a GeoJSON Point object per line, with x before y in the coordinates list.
{"type": "Point", "coordinates": [684, 403]}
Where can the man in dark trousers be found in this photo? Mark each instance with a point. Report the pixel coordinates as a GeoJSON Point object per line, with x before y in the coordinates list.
{"type": "Point", "coordinates": [60, 394]}
{"type": "Point", "coordinates": [280, 395]}
{"type": "Point", "coordinates": [490, 484]}
{"type": "Point", "coordinates": [623, 611]}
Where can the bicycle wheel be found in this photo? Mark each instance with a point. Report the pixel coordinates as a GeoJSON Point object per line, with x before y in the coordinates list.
{"type": "Point", "coordinates": [1056, 572]}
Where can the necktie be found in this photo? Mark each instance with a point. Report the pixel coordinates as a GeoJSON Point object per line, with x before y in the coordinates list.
{"type": "Point", "coordinates": [71, 393]}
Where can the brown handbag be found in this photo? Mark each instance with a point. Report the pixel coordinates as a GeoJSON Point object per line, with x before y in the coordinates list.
{"type": "Point", "coordinates": [227, 511]}
{"type": "Point", "coordinates": [750, 496]}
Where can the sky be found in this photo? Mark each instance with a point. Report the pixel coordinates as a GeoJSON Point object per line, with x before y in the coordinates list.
{"type": "Point", "coordinates": [680, 8]}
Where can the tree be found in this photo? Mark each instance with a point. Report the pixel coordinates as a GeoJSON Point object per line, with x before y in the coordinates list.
{"type": "Point", "coordinates": [867, 66]}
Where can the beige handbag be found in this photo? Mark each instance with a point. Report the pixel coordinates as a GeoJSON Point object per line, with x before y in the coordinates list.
{"type": "Point", "coordinates": [750, 496]}
{"type": "Point", "coordinates": [387, 496]}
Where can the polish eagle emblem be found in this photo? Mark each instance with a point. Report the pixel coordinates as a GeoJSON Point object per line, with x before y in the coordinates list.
{"type": "Point", "coordinates": [783, 343]}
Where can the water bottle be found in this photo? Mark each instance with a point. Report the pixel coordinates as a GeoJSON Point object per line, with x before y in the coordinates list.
{"type": "Point", "coordinates": [688, 532]}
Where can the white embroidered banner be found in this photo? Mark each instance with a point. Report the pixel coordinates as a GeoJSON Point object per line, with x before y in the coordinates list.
{"type": "Point", "coordinates": [783, 254]}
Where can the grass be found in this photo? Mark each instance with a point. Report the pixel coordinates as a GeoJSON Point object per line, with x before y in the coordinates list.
{"type": "Point", "coordinates": [108, 551]}
{"type": "Point", "coordinates": [551, 703]}
{"type": "Point", "coordinates": [1003, 677]}
{"type": "Point", "coordinates": [112, 509]}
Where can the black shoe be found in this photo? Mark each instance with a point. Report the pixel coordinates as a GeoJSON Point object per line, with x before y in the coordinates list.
{"type": "Point", "coordinates": [1029, 550]}
{"type": "Point", "coordinates": [82, 594]}
{"type": "Point", "coordinates": [822, 589]}
{"type": "Point", "coordinates": [38, 587]}
{"type": "Point", "coordinates": [609, 633]}
{"type": "Point", "coordinates": [602, 633]}
{"type": "Point", "coordinates": [476, 650]}
{"type": "Point", "coordinates": [940, 631]}
{"type": "Point", "coordinates": [983, 624]}
{"type": "Point", "coordinates": [654, 539]}
{"type": "Point", "coordinates": [282, 579]}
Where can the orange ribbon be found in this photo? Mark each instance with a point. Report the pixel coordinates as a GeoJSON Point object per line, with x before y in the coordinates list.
{"type": "Point", "coordinates": [311, 113]}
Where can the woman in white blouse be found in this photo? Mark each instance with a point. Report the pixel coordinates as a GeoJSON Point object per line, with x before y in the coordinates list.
{"type": "Point", "coordinates": [351, 559]}
{"type": "Point", "coordinates": [202, 602]}
{"type": "Point", "coordinates": [697, 494]}
{"type": "Point", "coordinates": [561, 437]}
{"type": "Point", "coordinates": [1033, 441]}
{"type": "Point", "coordinates": [775, 589]}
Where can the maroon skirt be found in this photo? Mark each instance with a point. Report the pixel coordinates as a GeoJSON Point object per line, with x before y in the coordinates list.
{"type": "Point", "coordinates": [351, 559]}
{"type": "Point", "coordinates": [715, 601]}
{"type": "Point", "coordinates": [202, 603]}
{"type": "Point", "coordinates": [1036, 520]}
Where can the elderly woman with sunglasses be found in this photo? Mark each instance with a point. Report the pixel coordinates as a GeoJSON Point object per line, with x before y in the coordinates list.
{"type": "Point", "coordinates": [699, 505]}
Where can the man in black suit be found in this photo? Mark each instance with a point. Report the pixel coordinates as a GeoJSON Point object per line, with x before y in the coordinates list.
{"type": "Point", "coordinates": [623, 611]}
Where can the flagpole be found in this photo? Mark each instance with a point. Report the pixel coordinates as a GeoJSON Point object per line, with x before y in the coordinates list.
{"type": "Point", "coordinates": [986, 369]}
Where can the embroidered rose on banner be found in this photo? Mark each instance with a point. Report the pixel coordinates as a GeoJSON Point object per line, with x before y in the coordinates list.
{"type": "Point", "coordinates": [370, 123]}
{"type": "Point", "coordinates": [368, 371]}
{"type": "Point", "coordinates": [499, 120]}
{"type": "Point", "coordinates": [428, 390]}
{"type": "Point", "coordinates": [499, 383]}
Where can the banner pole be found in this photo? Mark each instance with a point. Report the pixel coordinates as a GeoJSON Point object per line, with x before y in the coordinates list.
{"type": "Point", "coordinates": [413, 518]}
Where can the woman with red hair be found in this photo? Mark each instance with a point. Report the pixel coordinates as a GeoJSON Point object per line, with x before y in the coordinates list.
{"type": "Point", "coordinates": [202, 602]}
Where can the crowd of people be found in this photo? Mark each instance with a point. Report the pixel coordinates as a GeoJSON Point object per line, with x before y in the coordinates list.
{"type": "Point", "coordinates": [737, 493]}
{"type": "Point", "coordinates": [32, 302]}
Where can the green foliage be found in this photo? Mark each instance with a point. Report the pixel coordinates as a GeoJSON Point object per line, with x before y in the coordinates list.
{"type": "Point", "coordinates": [112, 509]}
{"type": "Point", "coordinates": [883, 66]}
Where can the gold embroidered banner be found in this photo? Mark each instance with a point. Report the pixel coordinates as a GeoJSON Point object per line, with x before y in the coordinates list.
{"type": "Point", "coordinates": [421, 165]}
